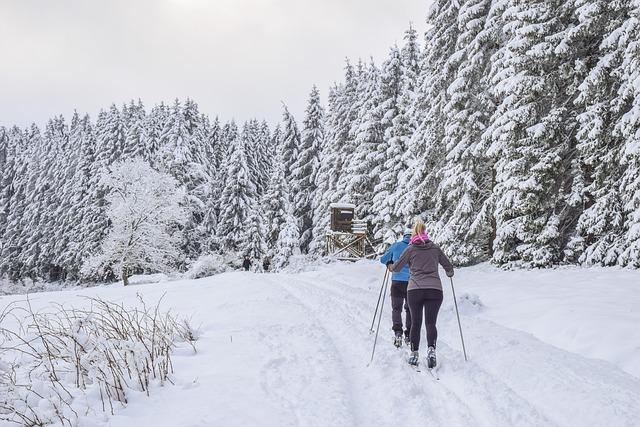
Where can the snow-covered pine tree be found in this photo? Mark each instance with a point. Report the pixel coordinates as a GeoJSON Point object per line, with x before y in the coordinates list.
{"type": "Point", "coordinates": [340, 119]}
{"type": "Point", "coordinates": [397, 84]}
{"type": "Point", "coordinates": [237, 199]}
{"type": "Point", "coordinates": [182, 155]}
{"type": "Point", "coordinates": [265, 154]}
{"type": "Point", "coordinates": [305, 167]}
{"type": "Point", "coordinates": [324, 192]}
{"type": "Point", "coordinates": [275, 202]}
{"type": "Point", "coordinates": [87, 217]}
{"type": "Point", "coordinates": [462, 227]}
{"type": "Point", "coordinates": [390, 194]}
{"type": "Point", "coordinates": [146, 209]}
{"type": "Point", "coordinates": [628, 126]}
{"type": "Point", "coordinates": [110, 134]}
{"type": "Point", "coordinates": [153, 126]}
{"type": "Point", "coordinates": [211, 133]}
{"type": "Point", "coordinates": [135, 144]}
{"type": "Point", "coordinates": [38, 249]}
{"type": "Point", "coordinates": [249, 139]}
{"type": "Point", "coordinates": [290, 140]}
{"type": "Point", "coordinates": [597, 167]}
{"type": "Point", "coordinates": [7, 159]}
{"type": "Point", "coordinates": [288, 243]}
{"type": "Point", "coordinates": [358, 176]}
{"type": "Point", "coordinates": [255, 141]}
{"type": "Point", "coordinates": [66, 210]}
{"type": "Point", "coordinates": [13, 191]}
{"type": "Point", "coordinates": [15, 261]}
{"type": "Point", "coordinates": [222, 153]}
{"type": "Point", "coordinates": [7, 165]}
{"type": "Point", "coordinates": [417, 184]}
{"type": "Point", "coordinates": [255, 246]}
{"type": "Point", "coordinates": [530, 139]}
{"type": "Point", "coordinates": [411, 53]}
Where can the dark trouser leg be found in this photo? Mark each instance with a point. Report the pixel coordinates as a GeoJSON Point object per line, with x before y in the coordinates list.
{"type": "Point", "coordinates": [397, 299]}
{"type": "Point", "coordinates": [407, 312]}
{"type": "Point", "coordinates": [432, 303]}
{"type": "Point", "coordinates": [416, 304]}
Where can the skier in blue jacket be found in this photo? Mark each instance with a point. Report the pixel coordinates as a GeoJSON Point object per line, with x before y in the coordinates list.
{"type": "Point", "coordinates": [399, 283]}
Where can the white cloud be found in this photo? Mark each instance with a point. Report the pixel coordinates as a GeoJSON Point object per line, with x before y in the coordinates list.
{"type": "Point", "coordinates": [236, 58]}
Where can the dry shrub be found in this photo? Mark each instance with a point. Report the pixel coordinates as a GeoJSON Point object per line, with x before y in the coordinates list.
{"type": "Point", "coordinates": [67, 360]}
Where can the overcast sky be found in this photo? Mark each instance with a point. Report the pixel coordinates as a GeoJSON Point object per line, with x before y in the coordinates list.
{"type": "Point", "coordinates": [236, 58]}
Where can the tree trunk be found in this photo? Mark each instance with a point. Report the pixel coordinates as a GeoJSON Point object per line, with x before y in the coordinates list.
{"type": "Point", "coordinates": [125, 276]}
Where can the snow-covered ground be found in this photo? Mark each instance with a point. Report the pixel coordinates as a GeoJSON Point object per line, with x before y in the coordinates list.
{"type": "Point", "coordinates": [551, 347]}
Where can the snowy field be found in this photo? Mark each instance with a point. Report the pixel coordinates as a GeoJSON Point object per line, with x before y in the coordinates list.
{"type": "Point", "coordinates": [553, 347]}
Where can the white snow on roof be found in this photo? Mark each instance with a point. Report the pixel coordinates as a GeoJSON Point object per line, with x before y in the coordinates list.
{"type": "Point", "coordinates": [342, 206]}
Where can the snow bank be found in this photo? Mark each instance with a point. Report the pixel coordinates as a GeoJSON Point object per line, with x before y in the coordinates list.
{"type": "Point", "coordinates": [207, 265]}
{"type": "Point", "coordinates": [293, 348]}
{"type": "Point", "coordinates": [303, 263]}
{"type": "Point", "coordinates": [27, 286]}
{"type": "Point", "coordinates": [591, 311]}
{"type": "Point", "coordinates": [468, 304]}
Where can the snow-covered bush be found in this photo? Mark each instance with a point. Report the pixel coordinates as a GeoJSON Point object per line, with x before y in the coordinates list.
{"type": "Point", "coordinates": [207, 265]}
{"type": "Point", "coordinates": [302, 263]}
{"type": "Point", "coordinates": [65, 364]}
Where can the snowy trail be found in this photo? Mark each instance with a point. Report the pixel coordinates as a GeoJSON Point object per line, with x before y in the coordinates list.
{"type": "Point", "coordinates": [293, 349]}
{"type": "Point", "coordinates": [521, 380]}
{"type": "Point", "coordinates": [469, 396]}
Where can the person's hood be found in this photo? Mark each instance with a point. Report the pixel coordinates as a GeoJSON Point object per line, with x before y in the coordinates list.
{"type": "Point", "coordinates": [424, 244]}
{"type": "Point", "coordinates": [406, 238]}
{"type": "Point", "coordinates": [423, 237]}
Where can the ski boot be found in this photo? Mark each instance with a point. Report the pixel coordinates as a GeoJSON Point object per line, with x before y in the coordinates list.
{"type": "Point", "coordinates": [397, 341]}
{"type": "Point", "coordinates": [431, 357]}
{"type": "Point", "coordinates": [413, 359]}
{"type": "Point", "coordinates": [407, 341]}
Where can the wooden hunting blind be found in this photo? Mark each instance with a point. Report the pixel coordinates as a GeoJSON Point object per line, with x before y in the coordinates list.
{"type": "Point", "coordinates": [342, 217]}
{"type": "Point", "coordinates": [348, 237]}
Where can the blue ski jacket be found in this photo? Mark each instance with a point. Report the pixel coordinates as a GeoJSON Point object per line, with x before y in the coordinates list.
{"type": "Point", "coordinates": [393, 254]}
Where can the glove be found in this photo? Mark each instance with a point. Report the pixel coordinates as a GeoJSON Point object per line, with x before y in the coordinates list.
{"type": "Point", "coordinates": [450, 273]}
{"type": "Point", "coordinates": [389, 263]}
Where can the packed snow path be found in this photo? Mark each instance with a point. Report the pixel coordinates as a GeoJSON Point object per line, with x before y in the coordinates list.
{"type": "Point", "coordinates": [292, 350]}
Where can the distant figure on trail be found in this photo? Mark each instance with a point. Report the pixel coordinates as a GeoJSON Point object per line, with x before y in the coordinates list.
{"type": "Point", "coordinates": [246, 264]}
{"type": "Point", "coordinates": [399, 283]}
{"type": "Point", "coordinates": [425, 289]}
{"type": "Point", "coordinates": [266, 263]}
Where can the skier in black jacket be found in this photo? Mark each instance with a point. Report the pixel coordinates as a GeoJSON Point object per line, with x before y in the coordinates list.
{"type": "Point", "coordinates": [246, 263]}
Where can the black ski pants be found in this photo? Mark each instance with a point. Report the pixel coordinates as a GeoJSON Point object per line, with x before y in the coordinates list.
{"type": "Point", "coordinates": [398, 302]}
{"type": "Point", "coordinates": [429, 301]}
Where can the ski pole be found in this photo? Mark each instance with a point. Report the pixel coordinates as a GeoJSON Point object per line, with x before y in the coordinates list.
{"type": "Point", "coordinates": [384, 295]}
{"type": "Point", "coordinates": [386, 271]}
{"type": "Point", "coordinates": [458, 316]}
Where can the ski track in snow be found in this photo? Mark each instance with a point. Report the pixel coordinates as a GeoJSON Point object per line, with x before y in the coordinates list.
{"type": "Point", "coordinates": [469, 396]}
{"type": "Point", "coordinates": [520, 380]}
{"type": "Point", "coordinates": [293, 350]}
